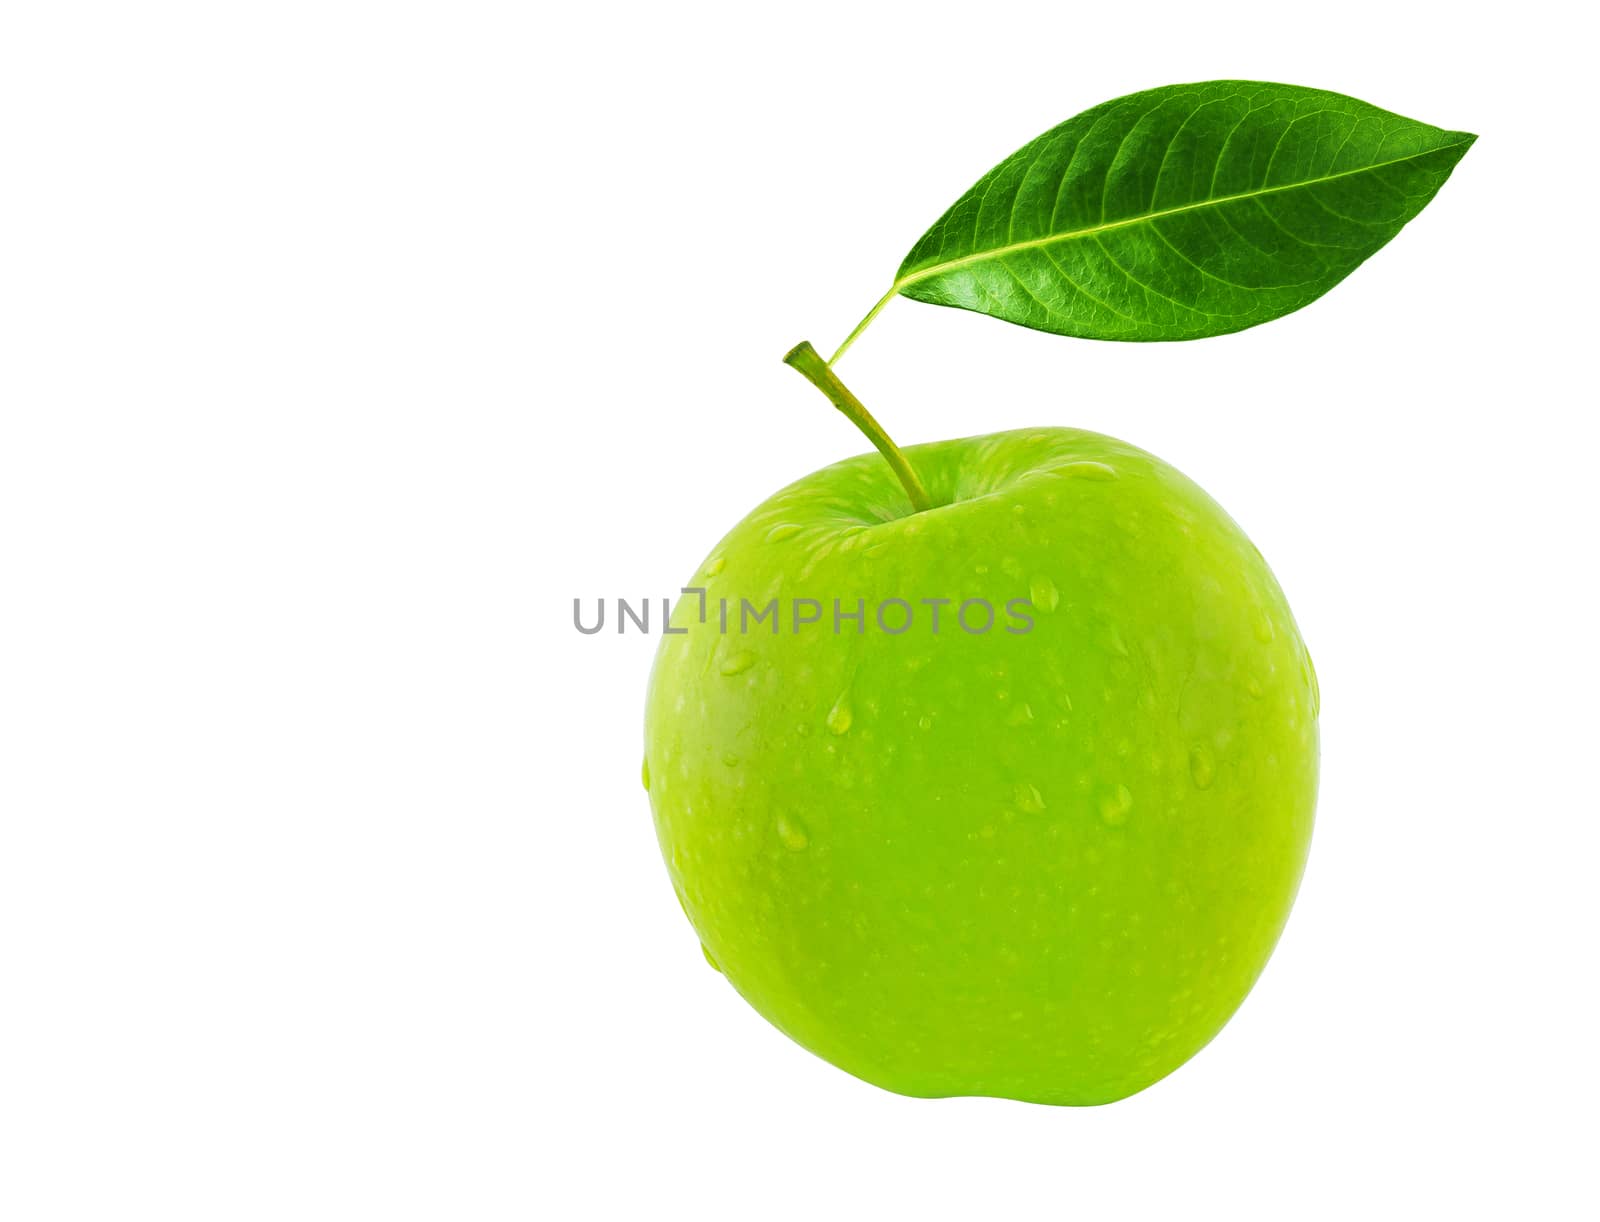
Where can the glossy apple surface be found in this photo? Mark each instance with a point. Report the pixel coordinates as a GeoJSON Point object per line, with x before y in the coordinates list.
{"type": "Point", "coordinates": [1043, 864]}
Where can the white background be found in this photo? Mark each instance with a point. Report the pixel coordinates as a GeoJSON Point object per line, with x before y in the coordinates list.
{"type": "Point", "coordinates": [344, 345]}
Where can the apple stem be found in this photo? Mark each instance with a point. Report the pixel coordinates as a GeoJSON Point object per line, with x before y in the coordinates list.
{"type": "Point", "coordinates": [815, 370]}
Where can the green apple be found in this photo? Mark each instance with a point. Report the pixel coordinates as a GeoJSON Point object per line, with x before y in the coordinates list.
{"type": "Point", "coordinates": [1043, 858]}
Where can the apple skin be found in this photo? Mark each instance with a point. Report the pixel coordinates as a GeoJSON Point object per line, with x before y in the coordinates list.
{"type": "Point", "coordinates": [1043, 865]}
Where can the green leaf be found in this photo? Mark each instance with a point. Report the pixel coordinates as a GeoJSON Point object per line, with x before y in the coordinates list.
{"type": "Point", "coordinates": [1182, 212]}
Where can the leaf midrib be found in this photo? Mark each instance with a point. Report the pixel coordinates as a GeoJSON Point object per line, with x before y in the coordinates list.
{"type": "Point", "coordinates": [1000, 252]}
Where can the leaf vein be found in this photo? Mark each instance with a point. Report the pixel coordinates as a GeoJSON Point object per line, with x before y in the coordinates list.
{"type": "Point", "coordinates": [1106, 304]}
{"type": "Point", "coordinates": [1001, 252]}
{"type": "Point", "coordinates": [1149, 288]}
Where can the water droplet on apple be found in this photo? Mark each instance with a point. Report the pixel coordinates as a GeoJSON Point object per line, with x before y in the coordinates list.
{"type": "Point", "coordinates": [1029, 800]}
{"type": "Point", "coordinates": [1114, 807]}
{"type": "Point", "coordinates": [1087, 470]}
{"type": "Point", "coordinates": [792, 833]}
{"type": "Point", "coordinates": [644, 773]}
{"type": "Point", "coordinates": [1201, 769]}
{"type": "Point", "coordinates": [925, 722]}
{"type": "Point", "coordinates": [782, 531]}
{"type": "Point", "coordinates": [714, 965]}
{"type": "Point", "coordinates": [730, 760]}
{"type": "Point", "coordinates": [1264, 632]}
{"type": "Point", "coordinates": [1253, 686]}
{"type": "Point", "coordinates": [715, 566]}
{"type": "Point", "coordinates": [1043, 594]}
{"type": "Point", "coordinates": [738, 663]}
{"type": "Point", "coordinates": [839, 716]}
{"type": "Point", "coordinates": [1316, 689]}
